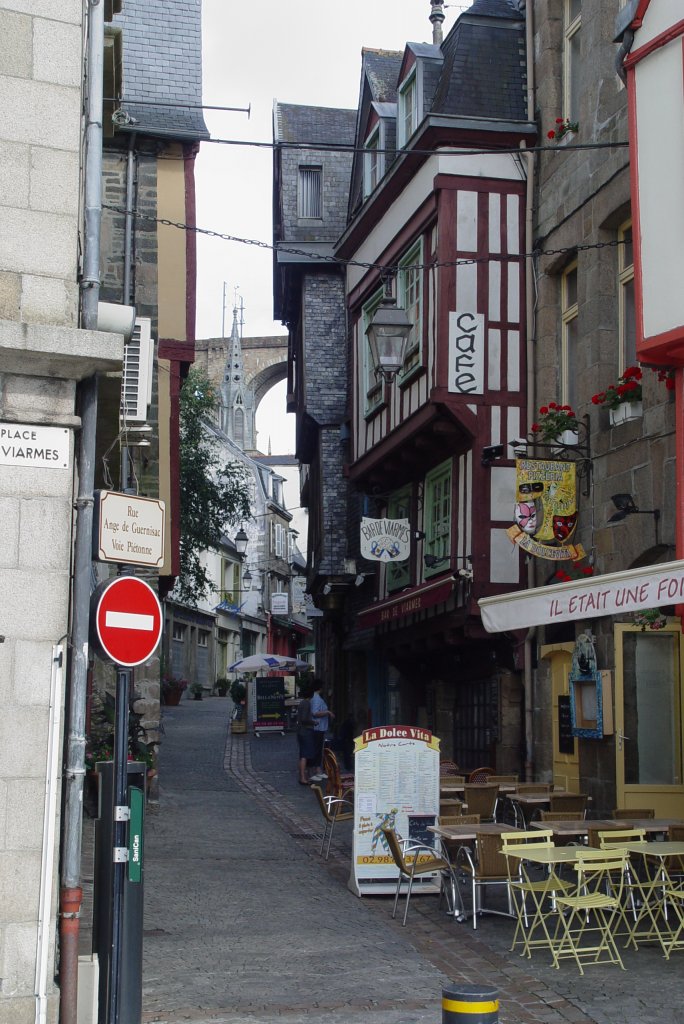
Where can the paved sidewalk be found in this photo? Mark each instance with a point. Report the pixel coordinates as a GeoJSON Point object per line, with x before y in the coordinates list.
{"type": "Point", "coordinates": [245, 922]}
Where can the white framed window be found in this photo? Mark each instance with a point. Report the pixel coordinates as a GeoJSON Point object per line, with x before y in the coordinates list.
{"type": "Point", "coordinates": [372, 381]}
{"type": "Point", "coordinates": [437, 516]}
{"type": "Point", "coordinates": [179, 633]}
{"type": "Point", "coordinates": [202, 638]}
{"type": "Point", "coordinates": [279, 541]}
{"type": "Point", "coordinates": [399, 507]}
{"type": "Point", "coordinates": [569, 325]}
{"type": "Point", "coordinates": [626, 308]}
{"type": "Point", "coordinates": [407, 120]}
{"type": "Point", "coordinates": [373, 162]}
{"type": "Point", "coordinates": [231, 582]}
{"type": "Point", "coordinates": [409, 295]}
{"type": "Point", "coordinates": [572, 81]}
{"type": "Point", "coordinates": [310, 196]}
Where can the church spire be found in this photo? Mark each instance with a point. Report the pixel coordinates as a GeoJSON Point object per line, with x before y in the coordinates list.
{"type": "Point", "coordinates": [233, 411]}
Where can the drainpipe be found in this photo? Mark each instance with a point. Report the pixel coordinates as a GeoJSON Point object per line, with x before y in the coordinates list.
{"type": "Point", "coordinates": [71, 892]}
{"type": "Point", "coordinates": [530, 639]}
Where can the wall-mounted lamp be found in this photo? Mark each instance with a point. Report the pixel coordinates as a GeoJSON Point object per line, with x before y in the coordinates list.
{"type": "Point", "coordinates": [241, 541]}
{"type": "Point", "coordinates": [490, 452]}
{"type": "Point", "coordinates": [327, 589]}
{"type": "Point", "coordinates": [362, 577]}
{"type": "Point", "coordinates": [418, 535]}
{"type": "Point", "coordinates": [625, 505]}
{"type": "Point", "coordinates": [387, 335]}
{"type": "Point", "coordinates": [464, 573]}
{"type": "Point", "coordinates": [246, 576]}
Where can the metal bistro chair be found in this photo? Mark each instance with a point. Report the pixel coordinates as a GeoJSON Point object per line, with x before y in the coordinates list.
{"type": "Point", "coordinates": [614, 839]}
{"type": "Point", "coordinates": [333, 809]}
{"type": "Point", "coordinates": [480, 775]}
{"type": "Point", "coordinates": [590, 910]}
{"type": "Point", "coordinates": [481, 798]}
{"type": "Point", "coordinates": [339, 784]}
{"type": "Point", "coordinates": [487, 868]}
{"type": "Point", "coordinates": [412, 859]}
{"type": "Point", "coordinates": [523, 886]}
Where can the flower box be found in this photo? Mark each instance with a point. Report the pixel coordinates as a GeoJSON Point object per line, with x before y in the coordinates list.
{"type": "Point", "coordinates": [625, 412]}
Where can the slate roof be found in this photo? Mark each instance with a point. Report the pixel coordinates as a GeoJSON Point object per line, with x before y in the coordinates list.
{"type": "Point", "coordinates": [484, 64]}
{"type": "Point", "coordinates": [314, 125]}
{"type": "Point", "coordinates": [381, 68]}
{"type": "Point", "coordinates": [162, 62]}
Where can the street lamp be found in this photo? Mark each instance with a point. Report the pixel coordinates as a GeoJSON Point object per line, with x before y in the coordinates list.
{"type": "Point", "coordinates": [241, 541]}
{"type": "Point", "coordinates": [388, 334]}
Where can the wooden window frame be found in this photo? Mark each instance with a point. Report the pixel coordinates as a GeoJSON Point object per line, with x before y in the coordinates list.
{"type": "Point", "coordinates": [571, 29]}
{"type": "Point", "coordinates": [407, 279]}
{"type": "Point", "coordinates": [304, 210]}
{"type": "Point", "coordinates": [438, 530]}
{"type": "Point", "coordinates": [625, 282]}
{"type": "Point", "coordinates": [569, 315]}
{"type": "Point", "coordinates": [398, 574]}
{"type": "Point", "coordinates": [406, 126]}
{"type": "Point", "coordinates": [373, 162]}
{"type": "Point", "coordinates": [373, 384]}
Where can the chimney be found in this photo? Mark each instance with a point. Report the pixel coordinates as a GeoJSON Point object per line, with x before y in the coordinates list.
{"type": "Point", "coordinates": [437, 17]}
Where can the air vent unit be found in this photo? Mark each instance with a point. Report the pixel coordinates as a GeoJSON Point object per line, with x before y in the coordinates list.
{"type": "Point", "coordinates": [136, 384]}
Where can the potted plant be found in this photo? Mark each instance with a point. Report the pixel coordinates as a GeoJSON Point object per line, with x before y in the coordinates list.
{"type": "Point", "coordinates": [624, 399]}
{"type": "Point", "coordinates": [222, 686]}
{"type": "Point", "coordinates": [575, 571]}
{"type": "Point", "coordinates": [172, 689]}
{"type": "Point", "coordinates": [565, 129]}
{"type": "Point", "coordinates": [557, 423]}
{"type": "Point", "coordinates": [196, 691]}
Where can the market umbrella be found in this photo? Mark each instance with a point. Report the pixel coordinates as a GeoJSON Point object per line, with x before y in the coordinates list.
{"type": "Point", "coordinates": [264, 662]}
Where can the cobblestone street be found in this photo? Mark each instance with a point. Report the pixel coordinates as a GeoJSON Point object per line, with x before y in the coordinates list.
{"type": "Point", "coordinates": [245, 922]}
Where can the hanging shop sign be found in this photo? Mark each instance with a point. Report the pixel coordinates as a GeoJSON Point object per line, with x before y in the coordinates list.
{"type": "Point", "coordinates": [546, 509]}
{"type": "Point", "coordinates": [618, 593]}
{"type": "Point", "coordinates": [279, 604]}
{"type": "Point", "coordinates": [466, 353]}
{"type": "Point", "coordinates": [385, 540]}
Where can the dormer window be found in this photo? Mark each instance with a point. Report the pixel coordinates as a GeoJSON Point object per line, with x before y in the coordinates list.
{"type": "Point", "coordinates": [310, 199]}
{"type": "Point", "coordinates": [373, 165]}
{"type": "Point", "coordinates": [407, 120]}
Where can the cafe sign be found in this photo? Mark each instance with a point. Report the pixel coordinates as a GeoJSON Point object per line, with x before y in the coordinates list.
{"type": "Point", "coordinates": [618, 593]}
{"type": "Point", "coordinates": [385, 540]}
{"type": "Point", "coordinates": [545, 511]}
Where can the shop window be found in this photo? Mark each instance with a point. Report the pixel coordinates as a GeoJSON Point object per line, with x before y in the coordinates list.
{"type": "Point", "coordinates": [407, 121]}
{"type": "Point", "coordinates": [572, 81]}
{"type": "Point", "coordinates": [310, 199]}
{"type": "Point", "coordinates": [372, 382]}
{"type": "Point", "coordinates": [398, 574]}
{"type": "Point", "coordinates": [409, 295]}
{"type": "Point", "coordinates": [373, 162]}
{"type": "Point", "coordinates": [569, 335]}
{"type": "Point", "coordinates": [437, 516]}
{"type": "Point", "coordinates": [627, 315]}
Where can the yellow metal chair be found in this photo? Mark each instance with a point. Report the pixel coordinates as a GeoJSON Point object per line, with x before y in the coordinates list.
{"type": "Point", "coordinates": [333, 809]}
{"type": "Point", "coordinates": [675, 938]}
{"type": "Point", "coordinates": [522, 887]}
{"type": "Point", "coordinates": [591, 911]}
{"type": "Point", "coordinates": [412, 859]}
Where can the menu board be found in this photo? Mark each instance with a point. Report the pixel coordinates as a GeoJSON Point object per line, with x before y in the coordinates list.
{"type": "Point", "coordinates": [396, 785]}
{"type": "Point", "coordinates": [269, 692]}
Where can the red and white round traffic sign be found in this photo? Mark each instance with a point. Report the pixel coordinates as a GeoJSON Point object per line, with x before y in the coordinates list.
{"type": "Point", "coordinates": [128, 620]}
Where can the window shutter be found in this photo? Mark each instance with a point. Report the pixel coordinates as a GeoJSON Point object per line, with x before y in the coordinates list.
{"type": "Point", "coordinates": [136, 383]}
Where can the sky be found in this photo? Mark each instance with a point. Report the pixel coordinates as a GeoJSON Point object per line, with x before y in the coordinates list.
{"type": "Point", "coordinates": [295, 51]}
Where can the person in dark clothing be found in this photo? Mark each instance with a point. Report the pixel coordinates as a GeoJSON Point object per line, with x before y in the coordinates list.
{"type": "Point", "coordinates": [305, 734]}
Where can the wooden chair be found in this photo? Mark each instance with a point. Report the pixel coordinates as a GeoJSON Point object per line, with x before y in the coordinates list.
{"type": "Point", "coordinates": [533, 787]}
{"type": "Point", "coordinates": [447, 767]}
{"type": "Point", "coordinates": [569, 802]}
{"type": "Point", "coordinates": [480, 775]}
{"type": "Point", "coordinates": [338, 784]}
{"type": "Point", "coordinates": [631, 813]}
{"type": "Point", "coordinates": [504, 780]}
{"type": "Point", "coordinates": [487, 867]}
{"type": "Point", "coordinates": [449, 806]}
{"type": "Point", "coordinates": [481, 799]}
{"type": "Point", "coordinates": [590, 909]}
{"type": "Point", "coordinates": [333, 809]}
{"type": "Point", "coordinates": [412, 859]}
{"type": "Point", "coordinates": [459, 819]}
{"type": "Point", "coordinates": [561, 816]}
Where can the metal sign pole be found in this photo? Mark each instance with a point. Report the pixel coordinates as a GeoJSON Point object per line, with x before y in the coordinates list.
{"type": "Point", "coordinates": [120, 845]}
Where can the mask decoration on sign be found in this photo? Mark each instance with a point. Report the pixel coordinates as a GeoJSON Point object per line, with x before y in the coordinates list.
{"type": "Point", "coordinates": [545, 512]}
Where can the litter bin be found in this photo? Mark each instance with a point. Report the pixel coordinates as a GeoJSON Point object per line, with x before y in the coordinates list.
{"type": "Point", "coordinates": [130, 988]}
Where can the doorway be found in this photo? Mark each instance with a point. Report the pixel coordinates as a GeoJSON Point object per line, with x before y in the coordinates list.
{"type": "Point", "coordinates": [565, 756]}
{"type": "Point", "coordinates": [648, 719]}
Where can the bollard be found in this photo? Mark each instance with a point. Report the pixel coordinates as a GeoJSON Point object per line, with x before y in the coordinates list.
{"type": "Point", "coordinates": [470, 1004]}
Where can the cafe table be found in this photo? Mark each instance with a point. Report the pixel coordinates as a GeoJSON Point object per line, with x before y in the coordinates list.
{"type": "Point", "coordinates": [654, 920]}
{"type": "Point", "coordinates": [581, 828]}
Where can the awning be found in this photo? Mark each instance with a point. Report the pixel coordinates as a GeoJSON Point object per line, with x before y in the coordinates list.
{"type": "Point", "coordinates": [617, 593]}
{"type": "Point", "coordinates": [415, 600]}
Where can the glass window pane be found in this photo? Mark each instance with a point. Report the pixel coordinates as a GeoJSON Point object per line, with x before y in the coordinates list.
{"type": "Point", "coordinates": [627, 249]}
{"type": "Point", "coordinates": [652, 753]}
{"type": "Point", "coordinates": [574, 77]}
{"type": "Point", "coordinates": [574, 9]}
{"type": "Point", "coordinates": [570, 289]}
{"type": "Point", "coordinates": [629, 337]}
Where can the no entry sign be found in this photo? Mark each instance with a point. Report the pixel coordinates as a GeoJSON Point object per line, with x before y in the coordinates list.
{"type": "Point", "coordinates": [127, 620]}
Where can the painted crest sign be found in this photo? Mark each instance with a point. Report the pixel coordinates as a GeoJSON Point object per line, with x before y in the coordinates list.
{"type": "Point", "coordinates": [385, 540]}
{"type": "Point", "coordinates": [546, 509]}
